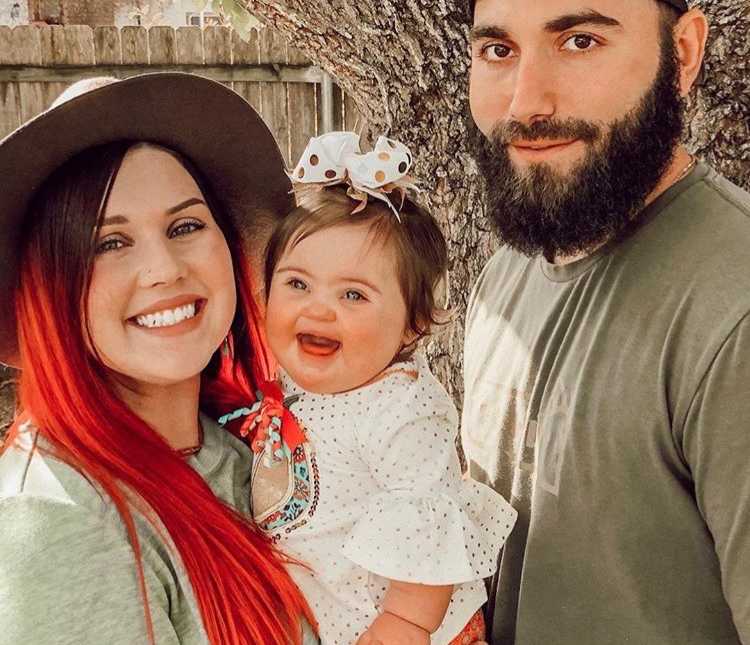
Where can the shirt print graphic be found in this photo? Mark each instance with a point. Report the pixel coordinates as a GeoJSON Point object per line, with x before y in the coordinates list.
{"type": "Point", "coordinates": [285, 494]}
{"type": "Point", "coordinates": [552, 430]}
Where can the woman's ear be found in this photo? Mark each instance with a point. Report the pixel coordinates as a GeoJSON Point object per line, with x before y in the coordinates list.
{"type": "Point", "coordinates": [690, 36]}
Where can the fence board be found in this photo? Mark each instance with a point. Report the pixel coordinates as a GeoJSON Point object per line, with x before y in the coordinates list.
{"type": "Point", "coordinates": [273, 96]}
{"type": "Point", "coordinates": [247, 53]}
{"type": "Point", "coordinates": [301, 111]}
{"type": "Point", "coordinates": [221, 73]}
{"type": "Point", "coordinates": [79, 45]}
{"type": "Point", "coordinates": [10, 108]}
{"type": "Point", "coordinates": [162, 46]}
{"type": "Point", "coordinates": [352, 118]}
{"type": "Point", "coordinates": [27, 46]}
{"type": "Point", "coordinates": [107, 49]}
{"type": "Point", "coordinates": [134, 45]}
{"type": "Point", "coordinates": [38, 62]}
{"type": "Point", "coordinates": [54, 54]}
{"type": "Point", "coordinates": [217, 44]}
{"type": "Point", "coordinates": [189, 45]}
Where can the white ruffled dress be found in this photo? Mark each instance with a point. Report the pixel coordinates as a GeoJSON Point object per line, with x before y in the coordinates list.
{"type": "Point", "coordinates": [376, 493]}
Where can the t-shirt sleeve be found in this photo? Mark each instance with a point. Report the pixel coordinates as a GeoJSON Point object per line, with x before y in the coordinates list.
{"type": "Point", "coordinates": [68, 576]}
{"type": "Point", "coordinates": [716, 443]}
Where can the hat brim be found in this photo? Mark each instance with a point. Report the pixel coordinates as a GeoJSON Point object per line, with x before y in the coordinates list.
{"type": "Point", "coordinates": [201, 119]}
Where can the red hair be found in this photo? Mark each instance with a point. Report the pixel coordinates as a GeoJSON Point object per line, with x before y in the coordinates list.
{"type": "Point", "coordinates": [239, 580]}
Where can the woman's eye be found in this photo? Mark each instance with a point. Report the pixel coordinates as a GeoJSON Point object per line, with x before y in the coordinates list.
{"type": "Point", "coordinates": [109, 244]}
{"type": "Point", "coordinates": [185, 228]}
{"type": "Point", "coordinates": [353, 295]}
{"type": "Point", "coordinates": [296, 283]}
{"type": "Point", "coordinates": [580, 43]}
{"type": "Point", "coordinates": [496, 52]}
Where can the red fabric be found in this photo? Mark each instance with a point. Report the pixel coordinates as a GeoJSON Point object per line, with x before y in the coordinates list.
{"type": "Point", "coordinates": [473, 632]}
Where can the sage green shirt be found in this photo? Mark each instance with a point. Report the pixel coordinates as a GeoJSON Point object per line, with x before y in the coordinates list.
{"type": "Point", "coordinates": [67, 570]}
{"type": "Point", "coordinates": [609, 400]}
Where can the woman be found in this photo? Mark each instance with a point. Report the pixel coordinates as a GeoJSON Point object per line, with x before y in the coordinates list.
{"type": "Point", "coordinates": [131, 316]}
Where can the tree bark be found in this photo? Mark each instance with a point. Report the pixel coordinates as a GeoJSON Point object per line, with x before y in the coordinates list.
{"type": "Point", "coordinates": [405, 63]}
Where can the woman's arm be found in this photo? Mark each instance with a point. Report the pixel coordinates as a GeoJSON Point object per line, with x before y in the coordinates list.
{"type": "Point", "coordinates": [68, 575]}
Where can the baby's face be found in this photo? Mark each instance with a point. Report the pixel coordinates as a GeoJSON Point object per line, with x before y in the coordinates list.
{"type": "Point", "coordinates": [336, 316]}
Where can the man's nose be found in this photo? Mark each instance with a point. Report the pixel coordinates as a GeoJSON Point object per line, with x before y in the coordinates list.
{"type": "Point", "coordinates": [161, 265]}
{"type": "Point", "coordinates": [533, 95]}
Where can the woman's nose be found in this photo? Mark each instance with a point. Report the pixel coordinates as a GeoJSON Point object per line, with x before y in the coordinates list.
{"type": "Point", "coordinates": [161, 265]}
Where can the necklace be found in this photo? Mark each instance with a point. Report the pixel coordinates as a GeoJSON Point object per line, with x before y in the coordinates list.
{"type": "Point", "coordinates": [192, 450]}
{"type": "Point", "coordinates": [686, 170]}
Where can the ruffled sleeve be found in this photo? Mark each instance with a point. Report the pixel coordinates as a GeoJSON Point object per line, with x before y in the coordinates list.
{"type": "Point", "coordinates": [424, 523]}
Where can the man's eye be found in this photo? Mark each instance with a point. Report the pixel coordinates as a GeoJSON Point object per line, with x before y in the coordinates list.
{"type": "Point", "coordinates": [353, 295]}
{"type": "Point", "coordinates": [496, 52]}
{"type": "Point", "coordinates": [580, 43]}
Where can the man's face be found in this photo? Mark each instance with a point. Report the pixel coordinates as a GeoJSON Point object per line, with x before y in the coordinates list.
{"type": "Point", "coordinates": [580, 114]}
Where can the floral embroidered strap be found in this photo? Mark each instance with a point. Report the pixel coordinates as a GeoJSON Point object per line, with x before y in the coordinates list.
{"type": "Point", "coordinates": [273, 430]}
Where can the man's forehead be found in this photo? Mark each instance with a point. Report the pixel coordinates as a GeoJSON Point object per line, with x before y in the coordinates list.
{"type": "Point", "coordinates": [543, 12]}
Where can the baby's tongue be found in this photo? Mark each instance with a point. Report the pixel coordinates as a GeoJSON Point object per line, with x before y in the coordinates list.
{"type": "Point", "coordinates": [317, 345]}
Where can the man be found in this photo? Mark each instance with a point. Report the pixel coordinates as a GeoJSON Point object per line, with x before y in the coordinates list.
{"type": "Point", "coordinates": [608, 342]}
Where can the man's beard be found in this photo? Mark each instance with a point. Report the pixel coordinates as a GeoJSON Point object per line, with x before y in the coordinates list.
{"type": "Point", "coordinates": [538, 210]}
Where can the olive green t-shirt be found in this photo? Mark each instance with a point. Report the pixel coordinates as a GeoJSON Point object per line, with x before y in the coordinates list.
{"type": "Point", "coordinates": [609, 400]}
{"type": "Point", "coordinates": [67, 569]}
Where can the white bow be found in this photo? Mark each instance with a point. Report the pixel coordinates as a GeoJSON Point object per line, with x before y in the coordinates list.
{"type": "Point", "coordinates": [336, 158]}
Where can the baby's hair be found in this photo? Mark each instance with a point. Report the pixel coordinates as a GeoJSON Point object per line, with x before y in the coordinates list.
{"type": "Point", "coordinates": [420, 248]}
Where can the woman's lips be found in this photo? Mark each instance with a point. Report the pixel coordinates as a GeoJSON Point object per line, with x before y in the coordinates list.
{"type": "Point", "coordinates": [317, 345]}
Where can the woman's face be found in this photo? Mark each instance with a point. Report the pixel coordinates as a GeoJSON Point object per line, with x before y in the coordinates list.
{"type": "Point", "coordinates": [162, 295]}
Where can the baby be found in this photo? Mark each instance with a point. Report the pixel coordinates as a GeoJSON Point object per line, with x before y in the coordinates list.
{"type": "Point", "coordinates": [363, 485]}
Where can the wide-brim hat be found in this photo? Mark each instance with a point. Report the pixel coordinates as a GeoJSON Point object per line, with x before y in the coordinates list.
{"type": "Point", "coordinates": [203, 120]}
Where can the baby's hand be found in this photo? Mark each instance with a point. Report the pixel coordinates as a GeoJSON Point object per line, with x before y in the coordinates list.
{"type": "Point", "coordinates": [389, 629]}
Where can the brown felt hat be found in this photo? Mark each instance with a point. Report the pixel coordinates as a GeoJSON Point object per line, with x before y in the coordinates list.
{"type": "Point", "coordinates": [203, 120]}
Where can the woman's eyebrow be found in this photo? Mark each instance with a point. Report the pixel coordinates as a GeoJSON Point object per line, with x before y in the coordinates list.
{"type": "Point", "coordinates": [121, 219]}
{"type": "Point", "coordinates": [183, 205]}
{"type": "Point", "coordinates": [590, 17]}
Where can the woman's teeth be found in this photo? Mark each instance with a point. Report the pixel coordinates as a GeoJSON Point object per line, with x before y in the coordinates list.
{"type": "Point", "coordinates": [167, 318]}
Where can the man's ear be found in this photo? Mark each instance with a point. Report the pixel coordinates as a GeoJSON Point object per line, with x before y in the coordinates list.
{"type": "Point", "coordinates": [690, 36]}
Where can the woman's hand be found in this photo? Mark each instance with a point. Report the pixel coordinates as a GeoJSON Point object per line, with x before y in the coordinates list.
{"type": "Point", "coordinates": [389, 629]}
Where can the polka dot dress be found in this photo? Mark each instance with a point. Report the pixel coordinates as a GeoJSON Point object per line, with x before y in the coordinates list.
{"type": "Point", "coordinates": [391, 504]}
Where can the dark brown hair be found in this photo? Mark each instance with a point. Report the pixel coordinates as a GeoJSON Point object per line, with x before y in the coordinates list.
{"type": "Point", "coordinates": [670, 15]}
{"type": "Point", "coordinates": [420, 248]}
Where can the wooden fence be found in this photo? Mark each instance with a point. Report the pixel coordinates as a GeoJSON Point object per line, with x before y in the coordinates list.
{"type": "Point", "coordinates": [295, 98]}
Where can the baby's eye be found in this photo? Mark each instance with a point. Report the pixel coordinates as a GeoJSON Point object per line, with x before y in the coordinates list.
{"type": "Point", "coordinates": [109, 244]}
{"type": "Point", "coordinates": [580, 43]}
{"type": "Point", "coordinates": [354, 295]}
{"type": "Point", "coordinates": [186, 227]}
{"type": "Point", "coordinates": [296, 283]}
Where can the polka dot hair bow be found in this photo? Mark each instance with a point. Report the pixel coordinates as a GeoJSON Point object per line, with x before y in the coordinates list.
{"type": "Point", "coordinates": [336, 158]}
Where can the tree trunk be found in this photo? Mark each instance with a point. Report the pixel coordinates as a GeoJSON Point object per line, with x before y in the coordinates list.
{"type": "Point", "coordinates": [405, 62]}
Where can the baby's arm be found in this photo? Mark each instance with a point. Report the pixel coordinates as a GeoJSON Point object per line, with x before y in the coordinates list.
{"type": "Point", "coordinates": [411, 612]}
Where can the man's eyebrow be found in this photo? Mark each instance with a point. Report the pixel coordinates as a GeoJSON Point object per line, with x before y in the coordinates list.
{"type": "Point", "coordinates": [589, 17]}
{"type": "Point", "coordinates": [488, 31]}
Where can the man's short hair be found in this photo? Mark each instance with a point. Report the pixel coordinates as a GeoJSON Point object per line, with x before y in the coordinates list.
{"type": "Point", "coordinates": [669, 13]}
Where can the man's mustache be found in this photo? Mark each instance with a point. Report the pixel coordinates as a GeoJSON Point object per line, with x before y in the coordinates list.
{"type": "Point", "coordinates": [508, 131]}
